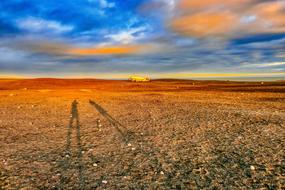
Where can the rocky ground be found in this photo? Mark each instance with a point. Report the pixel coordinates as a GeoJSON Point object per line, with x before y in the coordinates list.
{"type": "Point", "coordinates": [57, 134]}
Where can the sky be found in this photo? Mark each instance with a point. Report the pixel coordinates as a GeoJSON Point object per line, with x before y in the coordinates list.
{"type": "Point", "coordinates": [157, 38]}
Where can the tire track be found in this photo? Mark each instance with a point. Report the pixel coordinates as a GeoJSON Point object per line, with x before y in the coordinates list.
{"type": "Point", "coordinates": [67, 162]}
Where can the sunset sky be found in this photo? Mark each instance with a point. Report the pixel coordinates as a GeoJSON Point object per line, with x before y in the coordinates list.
{"type": "Point", "coordinates": [158, 38]}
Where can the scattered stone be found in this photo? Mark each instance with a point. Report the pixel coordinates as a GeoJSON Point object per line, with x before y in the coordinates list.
{"type": "Point", "coordinates": [95, 165]}
{"type": "Point", "coordinates": [162, 173]}
{"type": "Point", "coordinates": [133, 148]}
{"type": "Point", "coordinates": [90, 151]}
{"type": "Point", "coordinates": [129, 144]}
{"type": "Point", "coordinates": [104, 181]}
{"type": "Point", "coordinates": [252, 167]}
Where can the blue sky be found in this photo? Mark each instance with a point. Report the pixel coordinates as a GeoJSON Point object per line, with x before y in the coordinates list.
{"type": "Point", "coordinates": [159, 38]}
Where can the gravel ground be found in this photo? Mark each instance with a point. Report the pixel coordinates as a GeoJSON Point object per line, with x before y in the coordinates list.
{"type": "Point", "coordinates": [158, 135]}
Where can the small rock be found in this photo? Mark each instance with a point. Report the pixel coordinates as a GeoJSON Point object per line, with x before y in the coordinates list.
{"type": "Point", "coordinates": [129, 144]}
{"type": "Point", "coordinates": [95, 165]}
{"type": "Point", "coordinates": [67, 156]}
{"type": "Point", "coordinates": [90, 151]}
{"type": "Point", "coordinates": [133, 148]}
{"type": "Point", "coordinates": [252, 167]}
{"type": "Point", "coordinates": [100, 125]}
{"type": "Point", "coordinates": [104, 181]}
{"type": "Point", "coordinates": [162, 173]}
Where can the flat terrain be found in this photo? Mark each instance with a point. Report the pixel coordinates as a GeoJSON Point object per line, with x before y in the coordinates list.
{"type": "Point", "coordinates": [166, 134]}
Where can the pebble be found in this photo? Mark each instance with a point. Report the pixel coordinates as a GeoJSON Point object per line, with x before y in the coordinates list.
{"type": "Point", "coordinates": [252, 167]}
{"type": "Point", "coordinates": [133, 148]}
{"type": "Point", "coordinates": [129, 144]}
{"type": "Point", "coordinates": [104, 181]}
{"type": "Point", "coordinates": [95, 165]}
{"type": "Point", "coordinates": [162, 173]}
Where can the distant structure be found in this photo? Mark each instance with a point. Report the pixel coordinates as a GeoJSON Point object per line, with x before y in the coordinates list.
{"type": "Point", "coordinates": [139, 79]}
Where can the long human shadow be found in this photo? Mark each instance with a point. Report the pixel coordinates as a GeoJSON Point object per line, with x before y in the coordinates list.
{"type": "Point", "coordinates": [122, 130]}
{"type": "Point", "coordinates": [73, 122]}
{"type": "Point", "coordinates": [153, 153]}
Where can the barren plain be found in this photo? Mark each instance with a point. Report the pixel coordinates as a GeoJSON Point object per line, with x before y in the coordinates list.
{"type": "Point", "coordinates": [166, 134]}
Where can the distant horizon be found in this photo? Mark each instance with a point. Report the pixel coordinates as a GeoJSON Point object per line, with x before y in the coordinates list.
{"type": "Point", "coordinates": [234, 79]}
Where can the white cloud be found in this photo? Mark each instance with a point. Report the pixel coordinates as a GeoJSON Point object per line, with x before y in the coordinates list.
{"type": "Point", "coordinates": [103, 3]}
{"type": "Point", "coordinates": [128, 36]}
{"type": "Point", "coordinates": [40, 25]}
{"type": "Point", "coordinates": [281, 55]}
{"type": "Point", "coordinates": [248, 19]}
{"type": "Point", "coordinates": [263, 65]}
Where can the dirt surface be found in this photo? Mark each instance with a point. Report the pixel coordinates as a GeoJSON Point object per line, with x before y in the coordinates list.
{"type": "Point", "coordinates": [166, 134]}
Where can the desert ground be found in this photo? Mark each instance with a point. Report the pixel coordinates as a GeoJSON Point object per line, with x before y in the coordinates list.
{"type": "Point", "coordinates": [165, 134]}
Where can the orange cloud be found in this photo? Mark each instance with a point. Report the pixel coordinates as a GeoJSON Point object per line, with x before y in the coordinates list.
{"type": "Point", "coordinates": [115, 50]}
{"type": "Point", "coordinates": [221, 18]}
{"type": "Point", "coordinates": [205, 24]}
{"type": "Point", "coordinates": [195, 4]}
{"type": "Point", "coordinates": [65, 49]}
{"type": "Point", "coordinates": [271, 16]}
